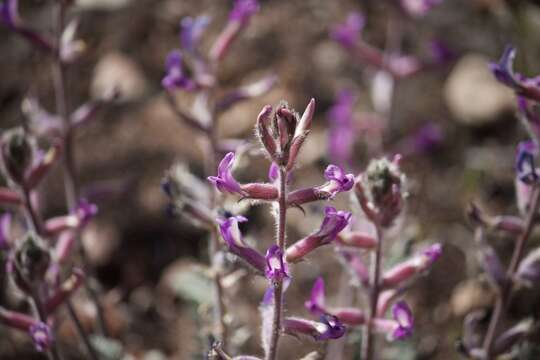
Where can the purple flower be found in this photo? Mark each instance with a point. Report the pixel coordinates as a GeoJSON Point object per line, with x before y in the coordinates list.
{"type": "Point", "coordinates": [334, 221]}
{"type": "Point", "coordinates": [348, 32]}
{"type": "Point", "coordinates": [9, 13]}
{"type": "Point", "coordinates": [405, 322]}
{"type": "Point", "coordinates": [338, 181]}
{"type": "Point", "coordinates": [427, 138]}
{"type": "Point", "coordinates": [41, 335]}
{"type": "Point", "coordinates": [525, 167]}
{"type": "Point", "coordinates": [315, 304]}
{"type": "Point", "coordinates": [5, 225]}
{"type": "Point", "coordinates": [329, 328]}
{"type": "Point", "coordinates": [176, 78]}
{"type": "Point", "coordinates": [342, 133]}
{"type": "Point", "coordinates": [225, 182]}
{"type": "Point", "coordinates": [273, 172]}
{"type": "Point", "coordinates": [191, 30]}
{"type": "Point", "coordinates": [276, 267]}
{"type": "Point", "coordinates": [503, 70]}
{"type": "Point", "coordinates": [233, 238]}
{"type": "Point", "coordinates": [86, 211]}
{"type": "Point", "coordinates": [243, 10]}
{"type": "Point", "coordinates": [432, 253]}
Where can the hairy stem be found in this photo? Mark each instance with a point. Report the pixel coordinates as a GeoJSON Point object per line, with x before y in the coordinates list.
{"type": "Point", "coordinates": [71, 189]}
{"type": "Point", "coordinates": [368, 344]}
{"type": "Point", "coordinates": [278, 286]}
{"type": "Point", "coordinates": [504, 296]}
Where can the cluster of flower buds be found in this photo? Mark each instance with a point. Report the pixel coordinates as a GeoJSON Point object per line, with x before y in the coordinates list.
{"type": "Point", "coordinates": [381, 190]}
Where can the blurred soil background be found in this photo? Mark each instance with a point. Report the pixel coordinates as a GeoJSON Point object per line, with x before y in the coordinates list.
{"type": "Point", "coordinates": [148, 262]}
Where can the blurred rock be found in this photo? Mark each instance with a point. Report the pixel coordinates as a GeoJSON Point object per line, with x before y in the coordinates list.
{"type": "Point", "coordinates": [472, 93]}
{"type": "Point", "coordinates": [118, 72]}
{"type": "Point", "coordinates": [100, 240]}
{"type": "Point", "coordinates": [470, 295]}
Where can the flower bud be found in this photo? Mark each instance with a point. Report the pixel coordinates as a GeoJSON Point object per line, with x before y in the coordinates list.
{"type": "Point", "coordinates": [9, 197]}
{"type": "Point", "coordinates": [418, 264]}
{"type": "Point", "coordinates": [41, 336]}
{"type": "Point", "coordinates": [30, 262]}
{"type": "Point", "coordinates": [381, 191]}
{"type": "Point", "coordinates": [356, 239]}
{"type": "Point", "coordinates": [300, 133]}
{"type": "Point", "coordinates": [284, 124]}
{"type": "Point", "coordinates": [17, 153]}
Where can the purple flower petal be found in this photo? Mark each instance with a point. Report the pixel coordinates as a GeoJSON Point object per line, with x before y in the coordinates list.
{"type": "Point", "coordinates": [316, 303]}
{"type": "Point", "coordinates": [233, 238]}
{"type": "Point", "coordinates": [191, 30]}
{"type": "Point", "coordinates": [349, 32]}
{"type": "Point", "coordinates": [243, 10]}
{"type": "Point", "coordinates": [334, 221]}
{"type": "Point", "coordinates": [9, 13]}
{"type": "Point", "coordinates": [5, 225]}
{"type": "Point", "coordinates": [525, 162]}
{"type": "Point", "coordinates": [176, 78]}
{"type": "Point", "coordinates": [342, 132]}
{"type": "Point", "coordinates": [224, 181]}
{"type": "Point", "coordinates": [329, 328]}
{"type": "Point", "coordinates": [276, 267]}
{"type": "Point", "coordinates": [41, 335]}
{"type": "Point", "coordinates": [503, 70]}
{"type": "Point", "coordinates": [403, 316]}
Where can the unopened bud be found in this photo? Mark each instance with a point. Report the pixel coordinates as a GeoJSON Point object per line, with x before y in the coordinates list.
{"type": "Point", "coordinates": [382, 190]}
{"type": "Point", "coordinates": [31, 261]}
{"type": "Point", "coordinates": [17, 151]}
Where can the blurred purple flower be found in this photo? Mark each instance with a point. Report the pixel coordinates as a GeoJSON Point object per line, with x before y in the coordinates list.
{"type": "Point", "coordinates": [176, 78]}
{"type": "Point", "coordinates": [243, 10]}
{"type": "Point", "coordinates": [9, 13]}
{"type": "Point", "coordinates": [316, 303]}
{"type": "Point", "coordinates": [428, 137]}
{"type": "Point", "coordinates": [503, 70]}
{"type": "Point", "coordinates": [224, 181]}
{"type": "Point", "coordinates": [342, 132]}
{"type": "Point", "coordinates": [348, 32]}
{"type": "Point", "coordinates": [41, 336]}
{"type": "Point", "coordinates": [405, 322]}
{"type": "Point", "coordinates": [273, 172]}
{"type": "Point", "coordinates": [432, 253]}
{"type": "Point", "coordinates": [441, 52]}
{"type": "Point", "coordinates": [86, 211]}
{"type": "Point", "coordinates": [5, 225]}
{"type": "Point", "coordinates": [233, 238]}
{"type": "Point", "coordinates": [329, 328]}
{"type": "Point", "coordinates": [276, 267]}
{"type": "Point", "coordinates": [525, 166]}
{"type": "Point", "coordinates": [419, 7]}
{"type": "Point", "coordinates": [191, 30]}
